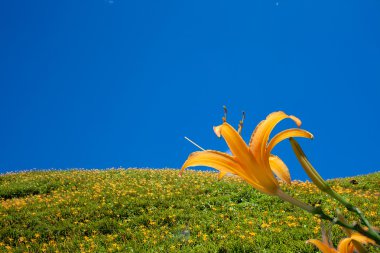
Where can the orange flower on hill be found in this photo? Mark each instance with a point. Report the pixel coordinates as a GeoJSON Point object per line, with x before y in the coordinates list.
{"type": "Point", "coordinates": [353, 243]}
{"type": "Point", "coordinates": [254, 162]}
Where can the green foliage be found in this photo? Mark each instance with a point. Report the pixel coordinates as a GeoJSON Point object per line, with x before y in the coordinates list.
{"type": "Point", "coordinates": [158, 211]}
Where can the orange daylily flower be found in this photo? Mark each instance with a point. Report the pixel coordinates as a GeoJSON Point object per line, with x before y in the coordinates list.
{"type": "Point", "coordinates": [351, 244]}
{"type": "Point", "coordinates": [354, 242]}
{"type": "Point", "coordinates": [254, 162]}
{"type": "Point", "coordinates": [322, 246]}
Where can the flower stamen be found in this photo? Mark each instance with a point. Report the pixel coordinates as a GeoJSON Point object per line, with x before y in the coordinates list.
{"type": "Point", "coordinates": [241, 122]}
{"type": "Point", "coordinates": [224, 118]}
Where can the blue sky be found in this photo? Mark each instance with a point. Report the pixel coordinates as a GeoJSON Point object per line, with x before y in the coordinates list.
{"type": "Point", "coordinates": [99, 84]}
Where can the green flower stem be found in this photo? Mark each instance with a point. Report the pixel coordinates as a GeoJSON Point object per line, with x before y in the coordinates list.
{"type": "Point", "coordinates": [323, 186]}
{"type": "Point", "coordinates": [282, 195]}
{"type": "Point", "coordinates": [354, 209]}
{"type": "Point", "coordinates": [319, 212]}
{"type": "Point", "coordinates": [356, 227]}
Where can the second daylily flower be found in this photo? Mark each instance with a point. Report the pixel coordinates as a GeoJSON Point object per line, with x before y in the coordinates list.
{"type": "Point", "coordinates": [254, 162]}
{"type": "Point", "coordinates": [353, 243]}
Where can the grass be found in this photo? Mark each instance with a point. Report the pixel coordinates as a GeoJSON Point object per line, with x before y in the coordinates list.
{"type": "Point", "coordinates": [157, 211]}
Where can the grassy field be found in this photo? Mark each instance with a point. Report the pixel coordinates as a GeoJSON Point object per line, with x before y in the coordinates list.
{"type": "Point", "coordinates": [157, 211]}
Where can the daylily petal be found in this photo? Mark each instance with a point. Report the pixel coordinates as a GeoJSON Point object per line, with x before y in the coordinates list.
{"type": "Point", "coordinates": [293, 132]}
{"type": "Point", "coordinates": [322, 247]}
{"type": "Point", "coordinates": [242, 154]}
{"type": "Point", "coordinates": [217, 130]}
{"type": "Point", "coordinates": [226, 163]}
{"type": "Point", "coordinates": [279, 168]}
{"type": "Point", "coordinates": [359, 247]}
{"type": "Point", "coordinates": [254, 133]}
{"type": "Point", "coordinates": [233, 139]}
{"type": "Point", "coordinates": [259, 172]}
{"type": "Point", "coordinates": [356, 240]}
{"type": "Point", "coordinates": [361, 238]}
{"type": "Point", "coordinates": [262, 132]}
{"type": "Point", "coordinates": [296, 120]}
{"type": "Point", "coordinates": [345, 246]}
{"type": "Point", "coordinates": [214, 159]}
{"type": "Point", "coordinates": [221, 174]}
{"type": "Point", "coordinates": [258, 136]}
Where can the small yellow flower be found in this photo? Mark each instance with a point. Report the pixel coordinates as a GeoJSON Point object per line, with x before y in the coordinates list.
{"type": "Point", "coordinates": [254, 162]}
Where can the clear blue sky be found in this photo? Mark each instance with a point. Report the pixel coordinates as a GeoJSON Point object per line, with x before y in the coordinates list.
{"type": "Point", "coordinates": [99, 84]}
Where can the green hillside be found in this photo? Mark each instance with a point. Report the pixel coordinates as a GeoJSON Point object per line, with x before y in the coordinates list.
{"type": "Point", "coordinates": [158, 211]}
